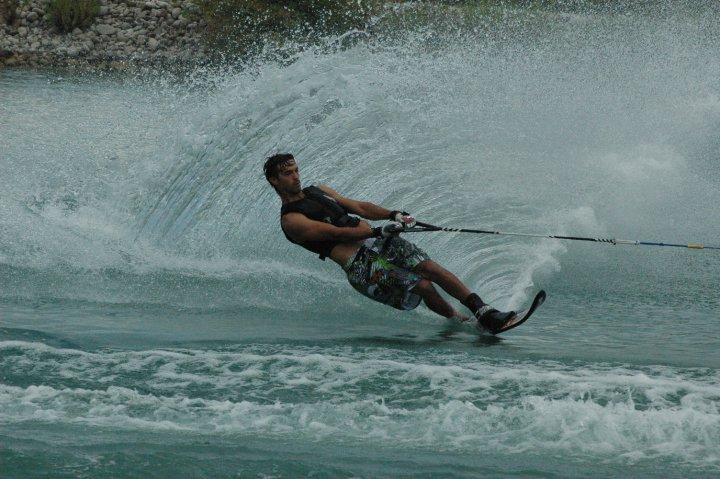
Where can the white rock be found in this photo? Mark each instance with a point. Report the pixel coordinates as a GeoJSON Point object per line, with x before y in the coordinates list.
{"type": "Point", "coordinates": [22, 31]}
{"type": "Point", "coordinates": [73, 51]}
{"type": "Point", "coordinates": [152, 44]}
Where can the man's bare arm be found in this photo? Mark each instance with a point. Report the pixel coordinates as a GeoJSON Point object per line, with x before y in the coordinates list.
{"type": "Point", "coordinates": [301, 228]}
{"type": "Point", "coordinates": [365, 209]}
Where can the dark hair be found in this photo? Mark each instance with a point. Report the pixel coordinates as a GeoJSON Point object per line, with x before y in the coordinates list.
{"type": "Point", "coordinates": [272, 164]}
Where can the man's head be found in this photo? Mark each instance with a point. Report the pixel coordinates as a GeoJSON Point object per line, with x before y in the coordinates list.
{"type": "Point", "coordinates": [282, 172]}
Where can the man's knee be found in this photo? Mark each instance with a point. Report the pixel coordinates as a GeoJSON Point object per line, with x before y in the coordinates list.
{"type": "Point", "coordinates": [429, 269]}
{"type": "Point", "coordinates": [423, 288]}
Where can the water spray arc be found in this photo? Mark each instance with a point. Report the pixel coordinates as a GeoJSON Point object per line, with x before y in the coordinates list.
{"type": "Point", "coordinates": [425, 227]}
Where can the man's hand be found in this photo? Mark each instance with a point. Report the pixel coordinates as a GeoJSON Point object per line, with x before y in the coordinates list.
{"type": "Point", "coordinates": [405, 219]}
{"type": "Point", "coordinates": [388, 230]}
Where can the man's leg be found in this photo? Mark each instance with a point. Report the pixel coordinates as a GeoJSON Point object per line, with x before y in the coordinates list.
{"type": "Point", "coordinates": [434, 301]}
{"type": "Point", "coordinates": [489, 317]}
{"type": "Point", "coordinates": [432, 271]}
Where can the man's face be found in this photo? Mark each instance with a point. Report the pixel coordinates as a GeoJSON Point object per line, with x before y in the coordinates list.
{"type": "Point", "coordinates": [288, 178]}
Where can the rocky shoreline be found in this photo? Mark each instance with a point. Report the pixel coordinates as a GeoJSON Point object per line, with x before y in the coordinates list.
{"type": "Point", "coordinates": [125, 33]}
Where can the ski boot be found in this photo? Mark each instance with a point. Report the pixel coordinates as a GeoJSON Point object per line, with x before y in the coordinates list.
{"type": "Point", "coordinates": [488, 317]}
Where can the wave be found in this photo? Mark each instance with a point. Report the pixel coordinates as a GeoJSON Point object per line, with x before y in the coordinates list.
{"type": "Point", "coordinates": [613, 412]}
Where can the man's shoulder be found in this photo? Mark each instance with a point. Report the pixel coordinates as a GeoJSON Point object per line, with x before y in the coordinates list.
{"type": "Point", "coordinates": [327, 191]}
{"type": "Point", "coordinates": [320, 188]}
{"type": "Point", "coordinates": [292, 218]}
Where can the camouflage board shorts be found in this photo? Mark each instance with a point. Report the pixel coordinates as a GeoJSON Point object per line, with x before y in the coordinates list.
{"type": "Point", "coordinates": [382, 271]}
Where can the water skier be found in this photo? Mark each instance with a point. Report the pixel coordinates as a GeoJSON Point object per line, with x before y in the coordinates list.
{"type": "Point", "coordinates": [378, 262]}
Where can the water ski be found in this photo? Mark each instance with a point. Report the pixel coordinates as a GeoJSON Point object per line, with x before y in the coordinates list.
{"type": "Point", "coordinates": [521, 316]}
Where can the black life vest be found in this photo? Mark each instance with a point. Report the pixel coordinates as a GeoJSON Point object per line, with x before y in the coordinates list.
{"type": "Point", "coordinates": [319, 207]}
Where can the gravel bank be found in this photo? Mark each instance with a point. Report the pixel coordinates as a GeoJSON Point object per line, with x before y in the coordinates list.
{"type": "Point", "coordinates": [124, 33]}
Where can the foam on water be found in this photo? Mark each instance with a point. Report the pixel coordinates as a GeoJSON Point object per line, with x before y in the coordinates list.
{"type": "Point", "coordinates": [612, 412]}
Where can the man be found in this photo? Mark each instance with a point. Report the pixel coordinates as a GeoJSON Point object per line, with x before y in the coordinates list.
{"type": "Point", "coordinates": [378, 263]}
